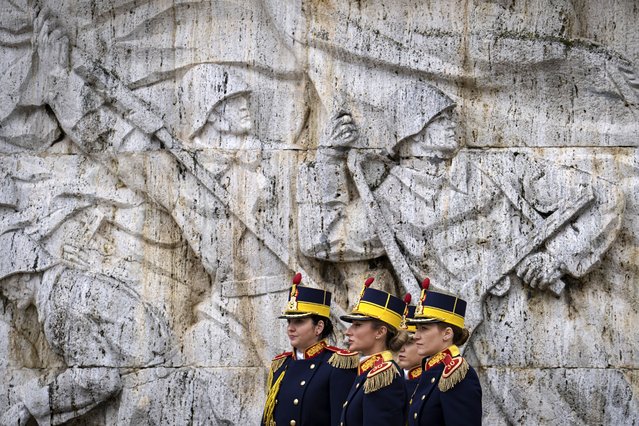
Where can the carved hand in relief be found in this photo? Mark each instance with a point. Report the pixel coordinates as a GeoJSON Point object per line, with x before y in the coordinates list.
{"type": "Point", "coordinates": [51, 57]}
{"type": "Point", "coordinates": [78, 256]}
{"type": "Point", "coordinates": [539, 270]}
{"type": "Point", "coordinates": [341, 132]}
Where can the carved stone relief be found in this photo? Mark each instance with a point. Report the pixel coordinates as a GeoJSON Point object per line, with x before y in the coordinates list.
{"type": "Point", "coordinates": [166, 167]}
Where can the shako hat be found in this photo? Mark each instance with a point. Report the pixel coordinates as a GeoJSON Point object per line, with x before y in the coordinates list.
{"type": "Point", "coordinates": [377, 304]}
{"type": "Point", "coordinates": [438, 307]}
{"type": "Point", "coordinates": [306, 301]}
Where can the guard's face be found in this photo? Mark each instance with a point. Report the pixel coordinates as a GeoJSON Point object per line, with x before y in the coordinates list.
{"type": "Point", "coordinates": [408, 356]}
{"type": "Point", "coordinates": [438, 137]}
{"type": "Point", "coordinates": [302, 333]}
{"type": "Point", "coordinates": [361, 336]}
{"type": "Point", "coordinates": [430, 339]}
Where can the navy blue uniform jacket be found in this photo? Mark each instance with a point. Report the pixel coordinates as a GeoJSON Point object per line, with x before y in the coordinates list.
{"type": "Point", "coordinates": [312, 391]}
{"type": "Point", "coordinates": [412, 380]}
{"type": "Point", "coordinates": [383, 407]}
{"type": "Point", "coordinates": [460, 405]}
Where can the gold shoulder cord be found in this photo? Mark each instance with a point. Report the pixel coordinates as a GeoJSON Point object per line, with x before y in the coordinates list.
{"type": "Point", "coordinates": [269, 406]}
{"type": "Point", "coordinates": [338, 360]}
{"type": "Point", "coordinates": [380, 379]}
{"type": "Point", "coordinates": [449, 382]}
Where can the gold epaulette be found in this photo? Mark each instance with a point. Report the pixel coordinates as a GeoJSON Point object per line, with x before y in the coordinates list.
{"type": "Point", "coordinates": [380, 376]}
{"type": "Point", "coordinates": [454, 372]}
{"type": "Point", "coordinates": [279, 360]}
{"type": "Point", "coordinates": [342, 358]}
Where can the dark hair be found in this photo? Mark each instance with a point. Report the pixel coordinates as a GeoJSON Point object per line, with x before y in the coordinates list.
{"type": "Point", "coordinates": [328, 325]}
{"type": "Point", "coordinates": [395, 339]}
{"type": "Point", "coordinates": [460, 335]}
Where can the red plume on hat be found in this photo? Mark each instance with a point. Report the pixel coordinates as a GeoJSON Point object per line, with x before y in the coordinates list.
{"type": "Point", "coordinates": [425, 283]}
{"type": "Point", "coordinates": [422, 297]}
{"type": "Point", "coordinates": [367, 284]}
{"type": "Point", "coordinates": [292, 300]}
{"type": "Point", "coordinates": [407, 299]}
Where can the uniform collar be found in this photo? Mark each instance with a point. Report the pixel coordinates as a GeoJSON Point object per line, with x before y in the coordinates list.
{"type": "Point", "coordinates": [373, 361]}
{"type": "Point", "coordinates": [312, 351]}
{"type": "Point", "coordinates": [438, 358]}
{"type": "Point", "coordinates": [414, 373]}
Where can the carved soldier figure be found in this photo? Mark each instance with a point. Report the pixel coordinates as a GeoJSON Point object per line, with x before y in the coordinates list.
{"type": "Point", "coordinates": [454, 215]}
{"type": "Point", "coordinates": [203, 184]}
{"type": "Point", "coordinates": [472, 222]}
{"type": "Point", "coordinates": [206, 222]}
{"type": "Point", "coordinates": [91, 319]}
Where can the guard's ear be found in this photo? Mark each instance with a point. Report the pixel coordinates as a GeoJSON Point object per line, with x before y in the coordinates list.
{"type": "Point", "coordinates": [319, 327]}
{"type": "Point", "coordinates": [448, 334]}
{"type": "Point", "coordinates": [381, 331]}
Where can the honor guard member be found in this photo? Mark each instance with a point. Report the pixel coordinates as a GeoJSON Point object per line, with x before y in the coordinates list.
{"type": "Point", "coordinates": [408, 357]}
{"type": "Point", "coordinates": [308, 385]}
{"type": "Point", "coordinates": [378, 396]}
{"type": "Point", "coordinates": [449, 392]}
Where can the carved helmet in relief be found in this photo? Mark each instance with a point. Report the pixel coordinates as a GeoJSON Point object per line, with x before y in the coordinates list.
{"type": "Point", "coordinates": [202, 89]}
{"type": "Point", "coordinates": [418, 104]}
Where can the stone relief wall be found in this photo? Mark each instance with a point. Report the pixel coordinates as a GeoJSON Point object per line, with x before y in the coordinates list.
{"type": "Point", "coordinates": [167, 166]}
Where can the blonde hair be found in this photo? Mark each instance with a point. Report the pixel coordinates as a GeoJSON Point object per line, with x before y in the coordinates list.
{"type": "Point", "coordinates": [395, 339]}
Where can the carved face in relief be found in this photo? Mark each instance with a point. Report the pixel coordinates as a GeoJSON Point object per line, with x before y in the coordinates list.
{"type": "Point", "coordinates": [437, 138]}
{"type": "Point", "coordinates": [232, 116]}
{"type": "Point", "coordinates": [19, 289]}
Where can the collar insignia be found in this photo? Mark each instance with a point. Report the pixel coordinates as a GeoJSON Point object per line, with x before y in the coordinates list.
{"type": "Point", "coordinates": [415, 373]}
{"type": "Point", "coordinates": [373, 361]}
{"type": "Point", "coordinates": [438, 358]}
{"type": "Point", "coordinates": [315, 350]}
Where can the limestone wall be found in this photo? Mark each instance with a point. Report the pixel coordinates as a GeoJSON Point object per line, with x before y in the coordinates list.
{"type": "Point", "coordinates": [167, 166]}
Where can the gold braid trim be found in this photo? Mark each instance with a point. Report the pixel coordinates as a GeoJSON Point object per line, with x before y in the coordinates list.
{"type": "Point", "coordinates": [338, 360]}
{"type": "Point", "coordinates": [275, 365]}
{"type": "Point", "coordinates": [269, 406]}
{"type": "Point", "coordinates": [381, 377]}
{"type": "Point", "coordinates": [448, 382]}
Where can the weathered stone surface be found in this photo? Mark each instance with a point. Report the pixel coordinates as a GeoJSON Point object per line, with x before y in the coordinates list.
{"type": "Point", "coordinates": [166, 167]}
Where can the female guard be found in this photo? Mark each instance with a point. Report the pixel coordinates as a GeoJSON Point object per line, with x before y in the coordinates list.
{"type": "Point", "coordinates": [308, 385]}
{"type": "Point", "coordinates": [408, 358]}
{"type": "Point", "coordinates": [378, 396]}
{"type": "Point", "coordinates": [449, 392]}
